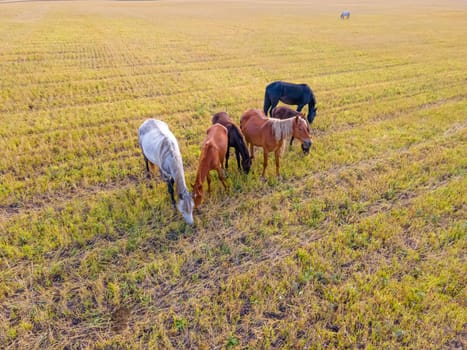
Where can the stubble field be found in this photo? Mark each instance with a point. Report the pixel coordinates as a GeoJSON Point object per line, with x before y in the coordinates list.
{"type": "Point", "coordinates": [361, 244]}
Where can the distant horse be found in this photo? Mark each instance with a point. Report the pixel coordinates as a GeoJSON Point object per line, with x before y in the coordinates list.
{"type": "Point", "coordinates": [160, 148]}
{"type": "Point", "coordinates": [270, 133]}
{"type": "Point", "coordinates": [345, 14]}
{"type": "Point", "coordinates": [212, 156]}
{"type": "Point", "coordinates": [236, 141]}
{"type": "Point", "coordinates": [291, 94]}
{"type": "Point", "coordinates": [284, 112]}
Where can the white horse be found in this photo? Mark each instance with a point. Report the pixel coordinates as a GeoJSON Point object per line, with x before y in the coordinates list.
{"type": "Point", "coordinates": [160, 148]}
{"type": "Point", "coordinates": [345, 14]}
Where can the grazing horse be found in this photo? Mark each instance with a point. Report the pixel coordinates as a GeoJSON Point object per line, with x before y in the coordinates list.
{"type": "Point", "coordinates": [160, 148]}
{"type": "Point", "coordinates": [291, 94]}
{"type": "Point", "coordinates": [270, 133]}
{"type": "Point", "coordinates": [236, 141]}
{"type": "Point", "coordinates": [212, 156]}
{"type": "Point", "coordinates": [345, 14]}
{"type": "Point", "coordinates": [284, 112]}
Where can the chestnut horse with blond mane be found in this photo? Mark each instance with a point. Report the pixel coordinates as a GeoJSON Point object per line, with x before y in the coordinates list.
{"type": "Point", "coordinates": [212, 157]}
{"type": "Point", "coordinates": [270, 134]}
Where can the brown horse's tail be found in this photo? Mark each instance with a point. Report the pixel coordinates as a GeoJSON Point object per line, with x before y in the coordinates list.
{"type": "Point", "coordinates": [242, 123]}
{"type": "Point", "coordinates": [207, 145]}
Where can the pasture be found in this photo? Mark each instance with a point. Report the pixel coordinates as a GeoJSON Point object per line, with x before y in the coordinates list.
{"type": "Point", "coordinates": [361, 244]}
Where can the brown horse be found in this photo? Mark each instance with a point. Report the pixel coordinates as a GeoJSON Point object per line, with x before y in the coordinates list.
{"type": "Point", "coordinates": [270, 133]}
{"type": "Point", "coordinates": [284, 112]}
{"type": "Point", "coordinates": [212, 156]}
{"type": "Point", "coordinates": [236, 140]}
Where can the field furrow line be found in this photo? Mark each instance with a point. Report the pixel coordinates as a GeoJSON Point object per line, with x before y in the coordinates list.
{"type": "Point", "coordinates": [223, 58]}
{"type": "Point", "coordinates": [133, 78]}
{"type": "Point", "coordinates": [184, 69]}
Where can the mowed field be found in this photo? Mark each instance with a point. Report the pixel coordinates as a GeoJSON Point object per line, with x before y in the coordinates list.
{"type": "Point", "coordinates": [359, 245]}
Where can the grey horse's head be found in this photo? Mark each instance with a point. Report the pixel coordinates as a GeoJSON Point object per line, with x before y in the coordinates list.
{"type": "Point", "coordinates": [185, 206]}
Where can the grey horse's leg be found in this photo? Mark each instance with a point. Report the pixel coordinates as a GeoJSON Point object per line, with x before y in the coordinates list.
{"type": "Point", "coordinates": [148, 174]}
{"type": "Point", "coordinates": [170, 187]}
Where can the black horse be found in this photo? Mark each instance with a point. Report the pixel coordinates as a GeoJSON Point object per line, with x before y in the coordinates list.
{"type": "Point", "coordinates": [291, 94]}
{"type": "Point", "coordinates": [236, 141]}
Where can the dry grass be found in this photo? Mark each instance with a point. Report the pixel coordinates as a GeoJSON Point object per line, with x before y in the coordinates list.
{"type": "Point", "coordinates": [361, 244]}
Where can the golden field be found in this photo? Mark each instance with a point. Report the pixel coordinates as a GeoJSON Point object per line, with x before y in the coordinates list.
{"type": "Point", "coordinates": [359, 245]}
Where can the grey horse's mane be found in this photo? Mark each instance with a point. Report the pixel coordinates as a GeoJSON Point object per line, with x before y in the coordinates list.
{"type": "Point", "coordinates": [179, 173]}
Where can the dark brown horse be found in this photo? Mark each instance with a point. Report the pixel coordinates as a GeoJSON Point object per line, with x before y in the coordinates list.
{"type": "Point", "coordinates": [284, 112]}
{"type": "Point", "coordinates": [236, 141]}
{"type": "Point", "coordinates": [270, 133]}
{"type": "Point", "coordinates": [212, 156]}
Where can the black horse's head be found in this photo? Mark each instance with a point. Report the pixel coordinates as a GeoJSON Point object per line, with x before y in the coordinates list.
{"type": "Point", "coordinates": [246, 164]}
{"type": "Point", "coordinates": [312, 114]}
